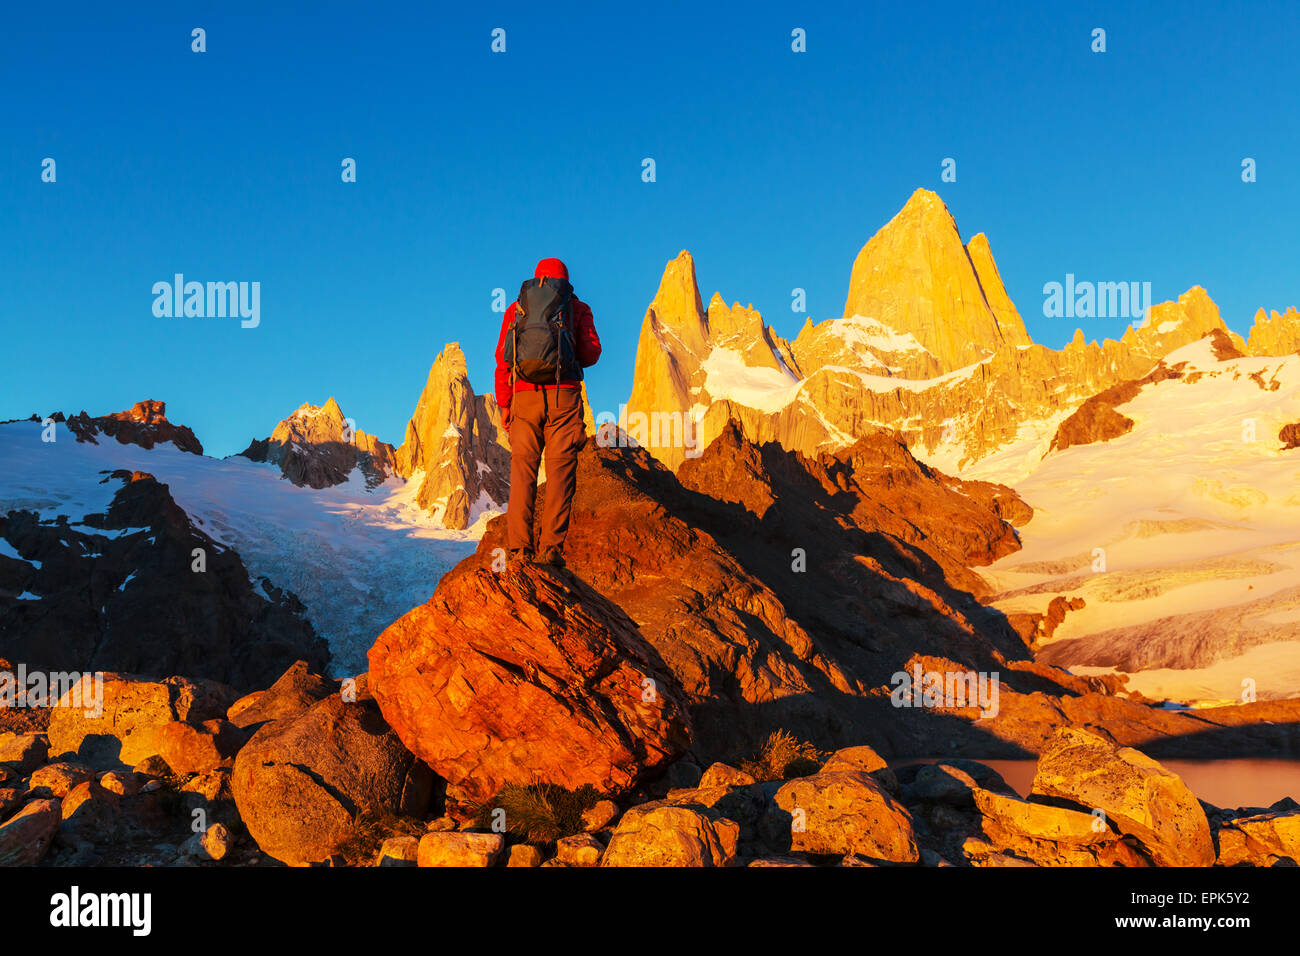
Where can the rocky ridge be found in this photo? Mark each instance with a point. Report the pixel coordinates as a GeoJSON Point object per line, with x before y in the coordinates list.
{"type": "Point", "coordinates": [317, 447]}
{"type": "Point", "coordinates": [930, 345]}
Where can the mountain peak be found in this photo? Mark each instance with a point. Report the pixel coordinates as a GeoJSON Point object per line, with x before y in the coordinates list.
{"type": "Point", "coordinates": [452, 354]}
{"type": "Point", "coordinates": [1275, 334]}
{"type": "Point", "coordinates": [457, 440]}
{"type": "Point", "coordinates": [677, 305]}
{"type": "Point", "coordinates": [316, 446]}
{"type": "Point", "coordinates": [916, 277]}
{"type": "Point", "coordinates": [1171, 325]}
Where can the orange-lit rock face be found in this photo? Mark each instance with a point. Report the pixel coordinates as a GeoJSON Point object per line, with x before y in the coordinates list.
{"type": "Point", "coordinates": [455, 444]}
{"type": "Point", "coordinates": [317, 446]}
{"type": "Point", "coordinates": [916, 277]}
{"type": "Point", "coordinates": [1275, 334]}
{"type": "Point", "coordinates": [148, 412]}
{"type": "Point", "coordinates": [527, 676]}
{"type": "Point", "coordinates": [931, 345]}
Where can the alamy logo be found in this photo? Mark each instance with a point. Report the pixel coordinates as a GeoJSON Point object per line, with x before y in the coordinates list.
{"type": "Point", "coordinates": [950, 689]}
{"type": "Point", "coordinates": [673, 429]}
{"type": "Point", "coordinates": [208, 300]}
{"type": "Point", "coordinates": [74, 908]}
{"type": "Point", "coordinates": [72, 689]}
{"type": "Point", "coordinates": [1096, 300]}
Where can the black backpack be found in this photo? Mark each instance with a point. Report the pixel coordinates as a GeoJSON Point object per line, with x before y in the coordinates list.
{"type": "Point", "coordinates": [540, 345]}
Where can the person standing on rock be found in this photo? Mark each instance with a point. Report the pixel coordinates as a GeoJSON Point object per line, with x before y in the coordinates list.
{"type": "Point", "coordinates": [547, 338]}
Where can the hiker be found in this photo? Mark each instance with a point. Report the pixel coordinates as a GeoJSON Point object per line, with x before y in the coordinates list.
{"type": "Point", "coordinates": [547, 338]}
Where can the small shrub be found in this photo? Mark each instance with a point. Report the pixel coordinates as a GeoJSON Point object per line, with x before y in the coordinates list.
{"type": "Point", "coordinates": [369, 831]}
{"type": "Point", "coordinates": [783, 756]}
{"type": "Point", "coordinates": [539, 812]}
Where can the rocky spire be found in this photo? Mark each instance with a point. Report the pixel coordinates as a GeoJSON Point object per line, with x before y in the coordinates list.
{"type": "Point", "coordinates": [455, 445]}
{"type": "Point", "coordinates": [1277, 334]}
{"type": "Point", "coordinates": [916, 277]}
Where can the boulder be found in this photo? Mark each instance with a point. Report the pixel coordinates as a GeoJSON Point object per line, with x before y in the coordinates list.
{"type": "Point", "coordinates": [23, 753]}
{"type": "Point", "coordinates": [91, 814]}
{"type": "Point", "coordinates": [211, 785]}
{"type": "Point", "coordinates": [152, 767]}
{"type": "Point", "coordinates": [26, 836]}
{"type": "Point", "coordinates": [523, 854]}
{"type": "Point", "coordinates": [124, 730]}
{"type": "Point", "coordinates": [861, 758]}
{"type": "Point", "coordinates": [663, 835]}
{"type": "Point", "coordinates": [581, 849]}
{"type": "Point", "coordinates": [300, 783]}
{"type": "Point", "coordinates": [123, 783]}
{"type": "Point", "coordinates": [11, 798]}
{"type": "Point", "coordinates": [840, 812]}
{"type": "Point", "coordinates": [1050, 835]}
{"type": "Point", "coordinates": [1137, 794]}
{"type": "Point", "coordinates": [1261, 839]}
{"type": "Point", "coordinates": [722, 775]}
{"type": "Point", "coordinates": [745, 805]}
{"type": "Point", "coordinates": [599, 815]}
{"type": "Point", "coordinates": [398, 851]}
{"type": "Point", "coordinates": [197, 748]}
{"type": "Point", "coordinates": [942, 783]}
{"type": "Point", "coordinates": [453, 848]}
{"type": "Point", "coordinates": [526, 676]}
{"type": "Point", "coordinates": [56, 779]}
{"type": "Point", "coordinates": [292, 693]}
{"type": "Point", "coordinates": [216, 841]}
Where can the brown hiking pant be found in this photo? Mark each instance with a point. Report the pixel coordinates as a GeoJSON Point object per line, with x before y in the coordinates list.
{"type": "Point", "coordinates": [549, 420]}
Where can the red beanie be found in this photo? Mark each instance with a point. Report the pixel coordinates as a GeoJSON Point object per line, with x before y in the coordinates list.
{"type": "Point", "coordinates": [551, 269]}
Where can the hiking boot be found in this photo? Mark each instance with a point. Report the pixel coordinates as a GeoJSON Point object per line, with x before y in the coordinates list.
{"type": "Point", "coordinates": [552, 556]}
{"type": "Point", "coordinates": [519, 557]}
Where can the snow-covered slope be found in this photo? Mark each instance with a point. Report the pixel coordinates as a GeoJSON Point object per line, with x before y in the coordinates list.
{"type": "Point", "coordinates": [1183, 536]}
{"type": "Point", "coordinates": [357, 559]}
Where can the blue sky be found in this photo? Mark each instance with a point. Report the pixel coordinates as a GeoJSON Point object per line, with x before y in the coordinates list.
{"type": "Point", "coordinates": [773, 168]}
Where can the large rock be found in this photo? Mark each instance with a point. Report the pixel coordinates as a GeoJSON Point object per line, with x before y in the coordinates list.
{"type": "Point", "coordinates": [23, 753]}
{"type": "Point", "coordinates": [451, 848]}
{"type": "Point", "coordinates": [135, 709]}
{"type": "Point", "coordinates": [662, 835]}
{"type": "Point", "coordinates": [56, 779]}
{"type": "Point", "coordinates": [1050, 835]}
{"type": "Point", "coordinates": [580, 849]}
{"type": "Point", "coordinates": [198, 748]}
{"type": "Point", "coordinates": [26, 835]}
{"type": "Point", "coordinates": [91, 813]}
{"type": "Point", "coordinates": [1137, 794]}
{"type": "Point", "coordinates": [527, 676]}
{"type": "Point", "coordinates": [841, 812]}
{"type": "Point", "coordinates": [1261, 839]}
{"type": "Point", "coordinates": [300, 783]}
{"type": "Point", "coordinates": [702, 561]}
{"type": "Point", "coordinates": [293, 692]}
{"type": "Point", "coordinates": [861, 758]}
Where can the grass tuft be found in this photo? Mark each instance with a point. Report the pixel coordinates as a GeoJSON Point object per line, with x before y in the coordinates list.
{"type": "Point", "coordinates": [360, 847]}
{"type": "Point", "coordinates": [539, 812]}
{"type": "Point", "coordinates": [783, 756]}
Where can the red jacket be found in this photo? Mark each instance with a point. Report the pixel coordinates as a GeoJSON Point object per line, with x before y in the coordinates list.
{"type": "Point", "coordinates": [586, 344]}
